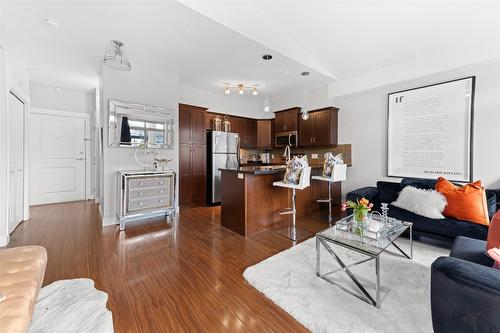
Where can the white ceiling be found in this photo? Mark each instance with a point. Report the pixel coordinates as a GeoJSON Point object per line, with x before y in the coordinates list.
{"type": "Point", "coordinates": [211, 42]}
{"type": "Point", "coordinates": [348, 38]}
{"type": "Point", "coordinates": [161, 35]}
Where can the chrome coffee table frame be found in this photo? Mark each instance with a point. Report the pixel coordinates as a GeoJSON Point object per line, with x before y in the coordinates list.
{"type": "Point", "coordinates": [364, 249]}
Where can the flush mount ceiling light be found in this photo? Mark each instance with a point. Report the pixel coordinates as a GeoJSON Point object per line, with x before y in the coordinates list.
{"type": "Point", "coordinates": [305, 114]}
{"type": "Point", "coordinates": [267, 102]}
{"type": "Point", "coordinates": [115, 58]}
{"type": "Point", "coordinates": [51, 22]}
{"type": "Point", "coordinates": [241, 88]}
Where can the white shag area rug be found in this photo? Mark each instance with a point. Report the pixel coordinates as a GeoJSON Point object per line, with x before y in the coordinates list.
{"type": "Point", "coordinates": [71, 306]}
{"type": "Point", "coordinates": [289, 280]}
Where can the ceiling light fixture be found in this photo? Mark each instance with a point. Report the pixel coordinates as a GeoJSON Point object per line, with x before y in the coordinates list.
{"type": "Point", "coordinates": [267, 103]}
{"type": "Point", "coordinates": [305, 114]}
{"type": "Point", "coordinates": [115, 59]}
{"type": "Point", "coordinates": [51, 22]}
{"type": "Point", "coordinates": [241, 88]}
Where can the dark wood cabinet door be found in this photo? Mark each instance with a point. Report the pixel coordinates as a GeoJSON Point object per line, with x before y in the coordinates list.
{"type": "Point", "coordinates": [280, 122]}
{"type": "Point", "coordinates": [185, 172]}
{"type": "Point", "coordinates": [251, 133]}
{"type": "Point", "coordinates": [198, 126]}
{"type": "Point", "coordinates": [321, 127]}
{"type": "Point", "coordinates": [291, 120]}
{"type": "Point", "coordinates": [306, 131]}
{"type": "Point", "coordinates": [264, 134]}
{"type": "Point", "coordinates": [199, 172]}
{"type": "Point", "coordinates": [184, 125]}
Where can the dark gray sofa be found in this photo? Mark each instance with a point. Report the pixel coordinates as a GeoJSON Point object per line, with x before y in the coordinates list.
{"type": "Point", "coordinates": [465, 290]}
{"type": "Point", "coordinates": [444, 229]}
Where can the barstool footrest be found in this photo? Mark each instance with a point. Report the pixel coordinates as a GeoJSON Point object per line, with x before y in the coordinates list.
{"type": "Point", "coordinates": [287, 211]}
{"type": "Point", "coordinates": [294, 234]}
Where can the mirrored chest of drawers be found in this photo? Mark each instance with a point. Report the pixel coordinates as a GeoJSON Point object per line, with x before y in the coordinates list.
{"type": "Point", "coordinates": [145, 194]}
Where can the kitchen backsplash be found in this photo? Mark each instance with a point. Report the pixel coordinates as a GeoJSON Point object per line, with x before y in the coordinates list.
{"type": "Point", "coordinates": [315, 155]}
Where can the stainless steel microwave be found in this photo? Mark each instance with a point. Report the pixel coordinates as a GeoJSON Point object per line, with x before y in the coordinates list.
{"type": "Point", "coordinates": [286, 139]}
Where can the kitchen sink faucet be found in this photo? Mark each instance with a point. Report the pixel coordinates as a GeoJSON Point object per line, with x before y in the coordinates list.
{"type": "Point", "coordinates": [286, 154]}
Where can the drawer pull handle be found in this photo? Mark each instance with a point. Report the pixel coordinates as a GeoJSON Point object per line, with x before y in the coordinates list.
{"type": "Point", "coordinates": [140, 203]}
{"type": "Point", "coordinates": [139, 194]}
{"type": "Point", "coordinates": [160, 191]}
{"type": "Point", "coordinates": [161, 201]}
{"type": "Point", "coordinates": [141, 183]}
{"type": "Point", "coordinates": [161, 182]}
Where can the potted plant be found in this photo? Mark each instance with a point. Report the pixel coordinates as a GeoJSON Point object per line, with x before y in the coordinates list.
{"type": "Point", "coordinates": [360, 210]}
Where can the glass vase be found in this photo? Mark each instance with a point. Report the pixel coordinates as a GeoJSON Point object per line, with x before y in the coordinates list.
{"type": "Point", "coordinates": [360, 224]}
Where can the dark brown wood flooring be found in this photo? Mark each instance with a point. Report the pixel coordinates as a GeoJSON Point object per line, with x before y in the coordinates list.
{"type": "Point", "coordinates": [161, 277]}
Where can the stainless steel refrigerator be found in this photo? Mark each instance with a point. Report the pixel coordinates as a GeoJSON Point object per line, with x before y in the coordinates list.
{"type": "Point", "coordinates": [223, 151]}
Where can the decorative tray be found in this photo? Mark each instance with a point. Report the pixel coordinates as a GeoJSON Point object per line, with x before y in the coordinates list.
{"type": "Point", "coordinates": [376, 228]}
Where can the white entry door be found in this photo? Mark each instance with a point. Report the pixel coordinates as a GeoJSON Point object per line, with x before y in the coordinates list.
{"type": "Point", "coordinates": [57, 158]}
{"type": "Point", "coordinates": [16, 161]}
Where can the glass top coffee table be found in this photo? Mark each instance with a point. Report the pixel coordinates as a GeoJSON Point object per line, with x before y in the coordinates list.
{"type": "Point", "coordinates": [370, 246]}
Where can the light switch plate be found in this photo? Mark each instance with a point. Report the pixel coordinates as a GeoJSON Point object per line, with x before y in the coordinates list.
{"type": "Point", "coordinates": [314, 156]}
{"type": "Point", "coordinates": [240, 176]}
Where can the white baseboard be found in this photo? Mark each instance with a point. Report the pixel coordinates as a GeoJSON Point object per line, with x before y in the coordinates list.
{"type": "Point", "coordinates": [4, 240]}
{"type": "Point", "coordinates": [109, 221]}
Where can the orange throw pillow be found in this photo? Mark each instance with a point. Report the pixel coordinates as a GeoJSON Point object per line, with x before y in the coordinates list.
{"type": "Point", "coordinates": [493, 239]}
{"type": "Point", "coordinates": [464, 203]}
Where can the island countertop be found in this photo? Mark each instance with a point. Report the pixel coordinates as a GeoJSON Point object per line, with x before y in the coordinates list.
{"type": "Point", "coordinates": [257, 170]}
{"type": "Point", "coordinates": [262, 170]}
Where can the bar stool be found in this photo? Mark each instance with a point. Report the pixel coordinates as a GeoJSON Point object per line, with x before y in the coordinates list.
{"type": "Point", "coordinates": [292, 232]}
{"type": "Point", "coordinates": [339, 173]}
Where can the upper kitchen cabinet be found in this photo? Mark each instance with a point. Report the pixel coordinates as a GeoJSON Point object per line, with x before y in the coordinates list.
{"type": "Point", "coordinates": [320, 129]}
{"type": "Point", "coordinates": [286, 120]}
{"type": "Point", "coordinates": [247, 129]}
{"type": "Point", "coordinates": [191, 124]}
{"type": "Point", "coordinates": [265, 133]}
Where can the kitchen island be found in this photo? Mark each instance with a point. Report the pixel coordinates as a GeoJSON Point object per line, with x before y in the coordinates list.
{"type": "Point", "coordinates": [250, 203]}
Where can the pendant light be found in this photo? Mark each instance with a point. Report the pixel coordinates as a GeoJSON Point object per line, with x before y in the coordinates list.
{"type": "Point", "coordinates": [115, 58]}
{"type": "Point", "coordinates": [267, 103]}
{"type": "Point", "coordinates": [305, 114]}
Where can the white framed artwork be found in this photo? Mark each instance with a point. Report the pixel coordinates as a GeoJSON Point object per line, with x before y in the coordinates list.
{"type": "Point", "coordinates": [430, 131]}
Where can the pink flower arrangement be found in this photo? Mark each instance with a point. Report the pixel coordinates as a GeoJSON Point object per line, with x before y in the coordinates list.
{"type": "Point", "coordinates": [360, 205]}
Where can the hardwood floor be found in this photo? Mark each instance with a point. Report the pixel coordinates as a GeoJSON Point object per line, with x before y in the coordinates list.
{"type": "Point", "coordinates": [160, 277]}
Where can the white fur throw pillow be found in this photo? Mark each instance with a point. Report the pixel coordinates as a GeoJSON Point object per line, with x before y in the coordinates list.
{"type": "Point", "coordinates": [428, 203]}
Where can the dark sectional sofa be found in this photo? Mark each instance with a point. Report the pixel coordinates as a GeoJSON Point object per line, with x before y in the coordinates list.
{"type": "Point", "coordinates": [444, 229]}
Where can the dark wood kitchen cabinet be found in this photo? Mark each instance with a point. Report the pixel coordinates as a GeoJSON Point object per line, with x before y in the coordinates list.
{"type": "Point", "coordinates": [192, 154]}
{"type": "Point", "coordinates": [248, 133]}
{"type": "Point", "coordinates": [320, 129]}
{"type": "Point", "coordinates": [286, 120]}
{"type": "Point", "coordinates": [192, 124]}
{"type": "Point", "coordinates": [192, 159]}
{"type": "Point", "coordinates": [264, 134]}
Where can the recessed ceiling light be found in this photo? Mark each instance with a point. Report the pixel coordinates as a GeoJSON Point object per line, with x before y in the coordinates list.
{"type": "Point", "coordinates": [51, 22]}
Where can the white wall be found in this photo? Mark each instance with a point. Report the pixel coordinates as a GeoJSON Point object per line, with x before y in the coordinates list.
{"type": "Point", "coordinates": [238, 106]}
{"type": "Point", "coordinates": [140, 86]}
{"type": "Point", "coordinates": [45, 97]}
{"type": "Point", "coordinates": [13, 77]}
{"type": "Point", "coordinates": [363, 117]}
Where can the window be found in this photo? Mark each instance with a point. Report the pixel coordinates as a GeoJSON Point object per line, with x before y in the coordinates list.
{"type": "Point", "coordinates": [147, 132]}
